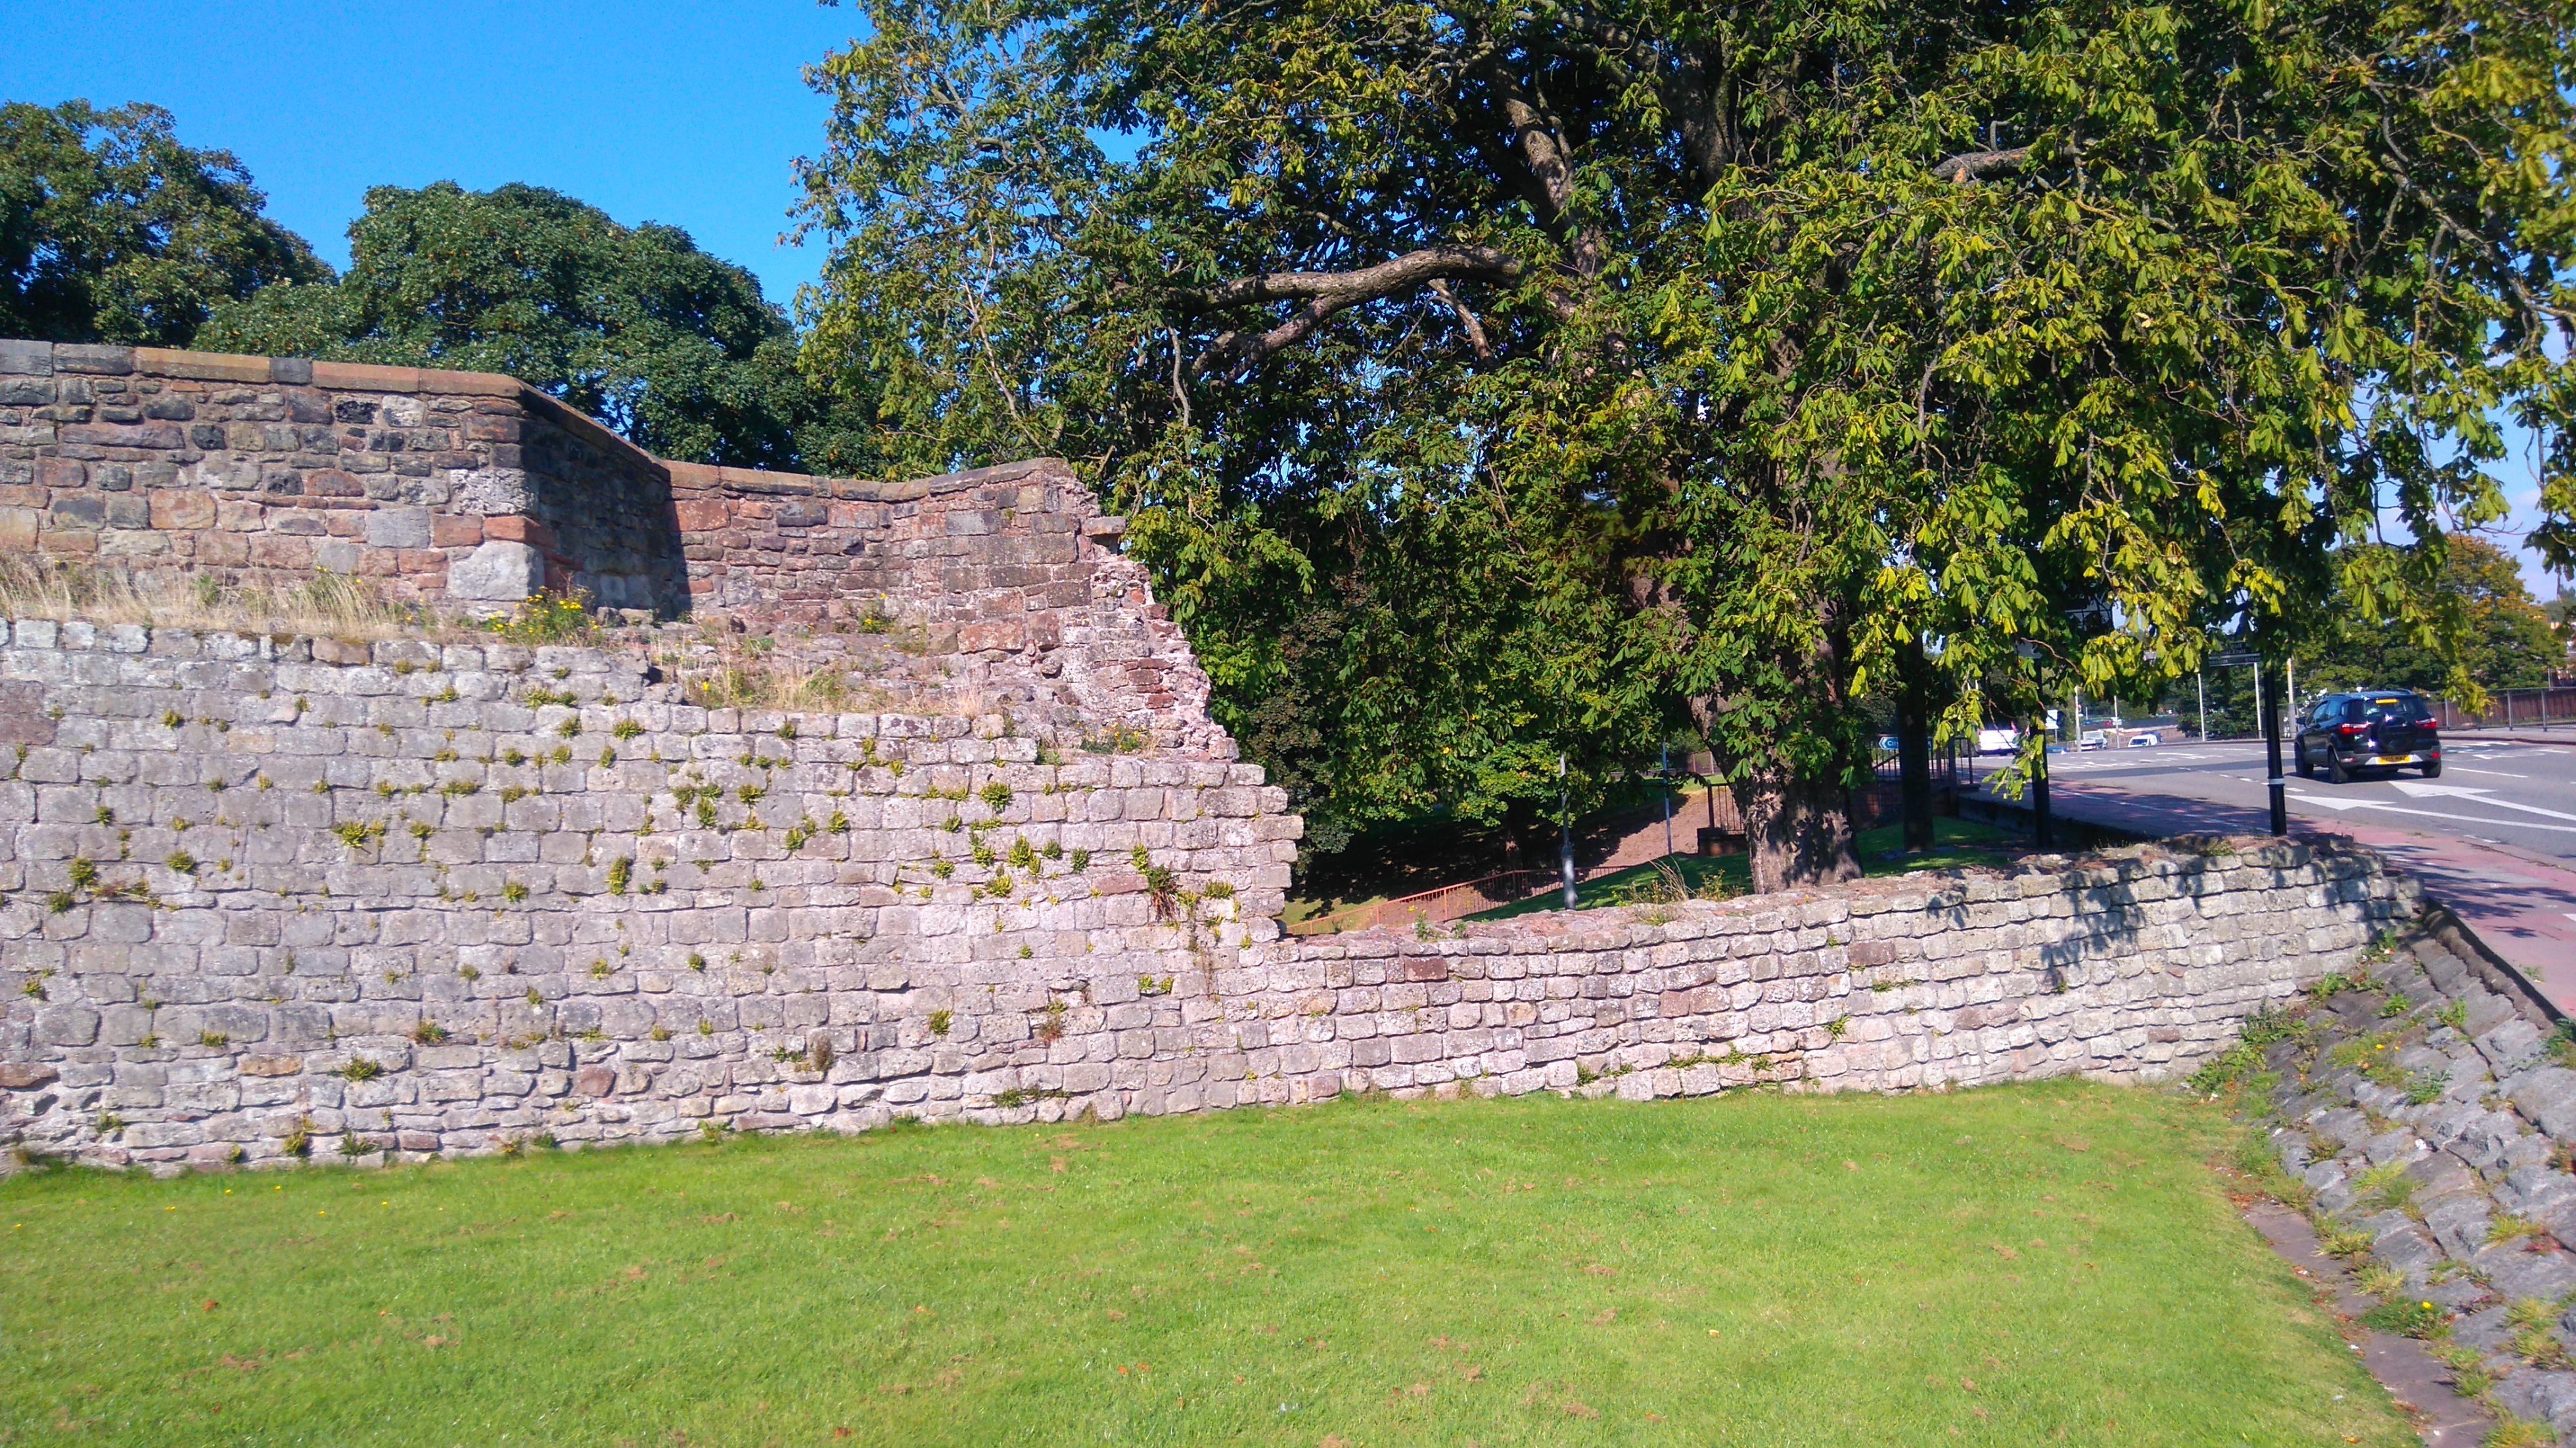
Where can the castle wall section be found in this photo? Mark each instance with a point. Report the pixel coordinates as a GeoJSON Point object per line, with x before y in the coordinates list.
{"type": "Point", "coordinates": [472, 491]}
{"type": "Point", "coordinates": [259, 895]}
{"type": "Point", "coordinates": [170, 466]}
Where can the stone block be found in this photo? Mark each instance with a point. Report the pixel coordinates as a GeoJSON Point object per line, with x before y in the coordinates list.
{"type": "Point", "coordinates": [496, 572]}
{"type": "Point", "coordinates": [94, 359]}
{"type": "Point", "coordinates": [2516, 1272]}
{"type": "Point", "coordinates": [398, 528]}
{"type": "Point", "coordinates": [2407, 1248]}
{"type": "Point", "coordinates": [2540, 1397]}
{"type": "Point", "coordinates": [490, 492]}
{"type": "Point", "coordinates": [182, 509]}
{"type": "Point", "coordinates": [520, 530]}
{"type": "Point", "coordinates": [2510, 1047]}
{"type": "Point", "coordinates": [702, 515]}
{"type": "Point", "coordinates": [2546, 1096]}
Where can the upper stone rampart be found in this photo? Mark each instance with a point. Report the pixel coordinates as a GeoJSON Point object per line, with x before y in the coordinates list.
{"type": "Point", "coordinates": [476, 490]}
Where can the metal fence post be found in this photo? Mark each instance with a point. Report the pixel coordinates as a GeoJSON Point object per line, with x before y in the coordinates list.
{"type": "Point", "coordinates": [1667, 771]}
{"type": "Point", "coordinates": [1565, 842]}
{"type": "Point", "coordinates": [2273, 783]}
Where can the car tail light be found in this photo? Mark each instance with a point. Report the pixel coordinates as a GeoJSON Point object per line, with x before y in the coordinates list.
{"type": "Point", "coordinates": [2352, 728]}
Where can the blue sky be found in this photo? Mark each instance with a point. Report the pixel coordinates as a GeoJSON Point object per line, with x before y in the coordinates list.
{"type": "Point", "coordinates": [690, 114]}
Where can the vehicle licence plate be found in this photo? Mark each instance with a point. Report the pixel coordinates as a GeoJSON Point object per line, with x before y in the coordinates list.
{"type": "Point", "coordinates": [2396, 759]}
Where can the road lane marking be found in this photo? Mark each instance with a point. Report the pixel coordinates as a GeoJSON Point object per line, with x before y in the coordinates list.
{"type": "Point", "coordinates": [2492, 773]}
{"type": "Point", "coordinates": [2478, 796]}
{"type": "Point", "coordinates": [2340, 804]}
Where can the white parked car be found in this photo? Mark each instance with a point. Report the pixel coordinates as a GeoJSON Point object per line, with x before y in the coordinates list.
{"type": "Point", "coordinates": [2093, 739]}
{"type": "Point", "coordinates": [2146, 739]}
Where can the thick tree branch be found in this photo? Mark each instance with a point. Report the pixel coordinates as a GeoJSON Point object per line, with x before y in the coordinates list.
{"type": "Point", "coordinates": [1467, 322]}
{"type": "Point", "coordinates": [1970, 166]}
{"type": "Point", "coordinates": [1326, 293]}
{"type": "Point", "coordinates": [1550, 163]}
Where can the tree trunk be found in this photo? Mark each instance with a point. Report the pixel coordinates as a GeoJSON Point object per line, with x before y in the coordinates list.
{"type": "Point", "coordinates": [1914, 746]}
{"type": "Point", "coordinates": [1796, 832]}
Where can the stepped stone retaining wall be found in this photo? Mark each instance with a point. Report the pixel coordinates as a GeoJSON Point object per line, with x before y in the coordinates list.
{"type": "Point", "coordinates": [446, 897]}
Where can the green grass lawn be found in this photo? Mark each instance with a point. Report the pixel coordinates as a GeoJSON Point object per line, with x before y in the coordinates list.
{"type": "Point", "coordinates": [2002, 1266]}
{"type": "Point", "coordinates": [1881, 851]}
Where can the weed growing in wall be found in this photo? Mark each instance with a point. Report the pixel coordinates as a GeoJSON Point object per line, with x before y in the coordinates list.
{"type": "Point", "coordinates": [547, 618]}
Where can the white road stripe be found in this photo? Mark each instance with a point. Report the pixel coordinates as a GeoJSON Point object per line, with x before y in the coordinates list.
{"type": "Point", "coordinates": [2340, 804]}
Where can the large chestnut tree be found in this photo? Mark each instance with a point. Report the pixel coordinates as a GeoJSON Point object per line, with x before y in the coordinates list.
{"type": "Point", "coordinates": [1495, 380]}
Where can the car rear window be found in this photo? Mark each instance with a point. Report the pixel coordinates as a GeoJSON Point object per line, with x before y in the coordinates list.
{"type": "Point", "coordinates": [2397, 709]}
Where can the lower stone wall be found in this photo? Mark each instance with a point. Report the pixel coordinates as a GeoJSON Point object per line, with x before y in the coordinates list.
{"type": "Point", "coordinates": [262, 896]}
{"type": "Point", "coordinates": [2127, 966]}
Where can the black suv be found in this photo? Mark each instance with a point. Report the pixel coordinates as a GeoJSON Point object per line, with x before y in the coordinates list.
{"type": "Point", "coordinates": [2372, 729]}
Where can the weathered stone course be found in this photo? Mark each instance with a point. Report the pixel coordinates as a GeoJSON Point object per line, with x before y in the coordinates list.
{"type": "Point", "coordinates": [474, 490]}
{"type": "Point", "coordinates": [169, 465]}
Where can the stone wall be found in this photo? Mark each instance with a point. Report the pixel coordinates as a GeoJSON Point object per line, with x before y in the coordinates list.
{"type": "Point", "coordinates": [256, 894]}
{"type": "Point", "coordinates": [466, 489]}
{"type": "Point", "coordinates": [1004, 580]}
{"type": "Point", "coordinates": [446, 486]}
{"type": "Point", "coordinates": [424, 895]}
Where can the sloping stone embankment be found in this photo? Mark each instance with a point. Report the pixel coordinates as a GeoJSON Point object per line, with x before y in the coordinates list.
{"type": "Point", "coordinates": [2429, 1122]}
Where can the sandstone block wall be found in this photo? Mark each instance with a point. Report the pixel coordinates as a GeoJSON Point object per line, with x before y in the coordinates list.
{"type": "Point", "coordinates": [466, 489]}
{"type": "Point", "coordinates": [259, 893]}
{"type": "Point", "coordinates": [2126, 967]}
{"type": "Point", "coordinates": [256, 894]}
{"type": "Point", "coordinates": [1005, 579]}
{"type": "Point", "coordinates": [171, 465]}
{"type": "Point", "coordinates": [236, 867]}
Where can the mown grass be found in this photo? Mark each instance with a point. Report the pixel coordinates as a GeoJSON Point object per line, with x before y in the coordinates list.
{"type": "Point", "coordinates": [2003, 1266]}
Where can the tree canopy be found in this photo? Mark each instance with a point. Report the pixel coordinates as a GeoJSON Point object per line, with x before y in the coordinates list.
{"type": "Point", "coordinates": [112, 231]}
{"type": "Point", "coordinates": [1494, 378]}
{"type": "Point", "coordinates": [2503, 639]}
{"type": "Point", "coordinates": [674, 348]}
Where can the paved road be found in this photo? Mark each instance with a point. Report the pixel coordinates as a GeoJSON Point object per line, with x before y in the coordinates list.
{"type": "Point", "coordinates": [2501, 793]}
{"type": "Point", "coordinates": [2494, 838]}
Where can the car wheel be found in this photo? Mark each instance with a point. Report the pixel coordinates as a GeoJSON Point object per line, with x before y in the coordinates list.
{"type": "Point", "coordinates": [2305, 769]}
{"type": "Point", "coordinates": [2433, 769]}
{"type": "Point", "coordinates": [2335, 770]}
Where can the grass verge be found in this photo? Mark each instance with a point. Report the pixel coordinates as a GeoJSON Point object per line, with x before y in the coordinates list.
{"type": "Point", "coordinates": [1998, 1266]}
{"type": "Point", "coordinates": [1956, 843]}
